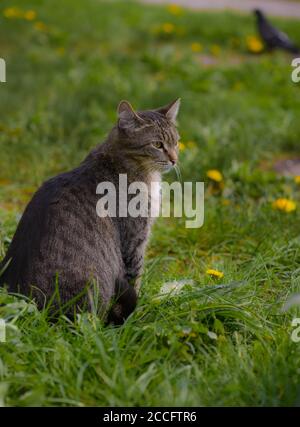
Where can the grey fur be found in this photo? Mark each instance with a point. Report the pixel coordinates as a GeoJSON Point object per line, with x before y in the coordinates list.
{"type": "Point", "coordinates": [61, 241]}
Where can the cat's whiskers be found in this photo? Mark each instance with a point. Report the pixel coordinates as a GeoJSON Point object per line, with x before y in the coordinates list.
{"type": "Point", "coordinates": [178, 172]}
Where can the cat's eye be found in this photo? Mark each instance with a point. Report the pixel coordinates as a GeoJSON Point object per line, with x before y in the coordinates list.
{"type": "Point", "coordinates": [158, 144]}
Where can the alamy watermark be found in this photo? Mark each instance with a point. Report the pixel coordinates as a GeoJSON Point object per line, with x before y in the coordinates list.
{"type": "Point", "coordinates": [2, 330]}
{"type": "Point", "coordinates": [296, 72]}
{"type": "Point", "coordinates": [295, 335]}
{"type": "Point", "coordinates": [2, 70]}
{"type": "Point", "coordinates": [150, 201]}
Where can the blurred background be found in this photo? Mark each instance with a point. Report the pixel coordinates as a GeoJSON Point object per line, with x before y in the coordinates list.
{"type": "Point", "coordinates": [68, 67]}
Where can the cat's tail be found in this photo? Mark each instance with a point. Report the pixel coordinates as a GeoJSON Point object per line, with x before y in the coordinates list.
{"type": "Point", "coordinates": [124, 303]}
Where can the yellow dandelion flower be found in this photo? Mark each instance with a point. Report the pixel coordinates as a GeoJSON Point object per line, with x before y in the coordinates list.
{"type": "Point", "coordinates": [30, 15]}
{"type": "Point", "coordinates": [40, 26]}
{"type": "Point", "coordinates": [196, 47]}
{"type": "Point", "coordinates": [297, 179]}
{"type": "Point", "coordinates": [168, 28]}
{"type": "Point", "coordinates": [12, 12]}
{"type": "Point", "coordinates": [175, 9]}
{"type": "Point", "coordinates": [181, 146]}
{"type": "Point", "coordinates": [215, 49]}
{"type": "Point", "coordinates": [215, 273]}
{"type": "Point", "coordinates": [214, 175]}
{"type": "Point", "coordinates": [254, 44]}
{"type": "Point", "coordinates": [284, 205]}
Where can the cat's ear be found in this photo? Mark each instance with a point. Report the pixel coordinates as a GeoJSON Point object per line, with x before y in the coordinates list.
{"type": "Point", "coordinates": [171, 110]}
{"type": "Point", "coordinates": [128, 118]}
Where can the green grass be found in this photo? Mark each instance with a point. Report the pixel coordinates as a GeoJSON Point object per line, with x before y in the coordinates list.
{"type": "Point", "coordinates": [211, 344]}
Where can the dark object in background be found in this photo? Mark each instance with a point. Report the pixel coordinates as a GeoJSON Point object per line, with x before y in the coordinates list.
{"type": "Point", "coordinates": [273, 38]}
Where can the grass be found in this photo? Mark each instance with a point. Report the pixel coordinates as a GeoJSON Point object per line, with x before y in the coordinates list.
{"type": "Point", "coordinates": [223, 341]}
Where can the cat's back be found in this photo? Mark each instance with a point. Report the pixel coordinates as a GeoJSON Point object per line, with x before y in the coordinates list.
{"type": "Point", "coordinates": [57, 232]}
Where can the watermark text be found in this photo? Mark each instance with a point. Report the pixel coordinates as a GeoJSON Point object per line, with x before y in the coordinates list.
{"type": "Point", "coordinates": [296, 72]}
{"type": "Point", "coordinates": [150, 201]}
{"type": "Point", "coordinates": [2, 70]}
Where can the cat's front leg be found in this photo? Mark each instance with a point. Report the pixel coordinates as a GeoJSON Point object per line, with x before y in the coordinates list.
{"type": "Point", "coordinates": [134, 269]}
{"type": "Point", "coordinates": [134, 260]}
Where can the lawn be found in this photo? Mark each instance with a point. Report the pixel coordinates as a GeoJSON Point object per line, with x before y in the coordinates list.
{"type": "Point", "coordinates": [223, 340]}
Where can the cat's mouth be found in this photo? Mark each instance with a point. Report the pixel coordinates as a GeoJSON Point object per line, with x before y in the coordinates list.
{"type": "Point", "coordinates": [165, 166]}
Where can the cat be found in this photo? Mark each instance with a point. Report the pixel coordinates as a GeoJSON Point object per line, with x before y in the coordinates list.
{"type": "Point", "coordinates": [62, 245]}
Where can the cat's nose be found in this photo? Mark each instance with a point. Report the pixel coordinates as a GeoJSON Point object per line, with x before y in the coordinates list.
{"type": "Point", "coordinates": [173, 157]}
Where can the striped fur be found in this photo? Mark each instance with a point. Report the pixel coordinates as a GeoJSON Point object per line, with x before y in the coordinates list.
{"type": "Point", "coordinates": [63, 252]}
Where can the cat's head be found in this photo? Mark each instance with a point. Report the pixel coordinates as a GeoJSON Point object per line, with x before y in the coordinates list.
{"type": "Point", "coordinates": [150, 136]}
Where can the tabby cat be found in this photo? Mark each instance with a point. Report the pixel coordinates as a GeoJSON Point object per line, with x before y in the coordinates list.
{"type": "Point", "coordinates": [61, 246]}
